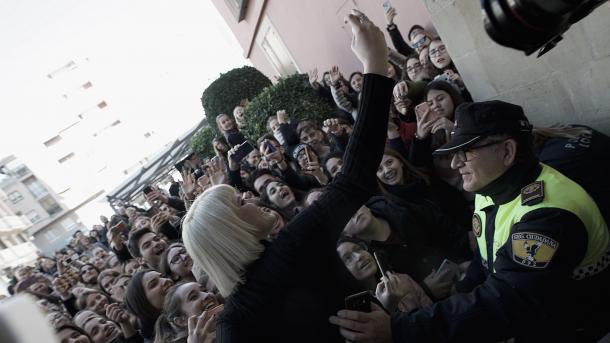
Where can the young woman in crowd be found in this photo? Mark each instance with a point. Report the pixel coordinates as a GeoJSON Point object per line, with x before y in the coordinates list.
{"type": "Point", "coordinates": [89, 274]}
{"type": "Point", "coordinates": [308, 162]}
{"type": "Point", "coordinates": [106, 279]}
{"type": "Point", "coordinates": [433, 130]}
{"type": "Point", "coordinates": [113, 327]}
{"type": "Point", "coordinates": [273, 283]}
{"type": "Point", "coordinates": [229, 130]}
{"type": "Point", "coordinates": [69, 333]}
{"type": "Point", "coordinates": [118, 289]}
{"type": "Point", "coordinates": [176, 263]}
{"type": "Point", "coordinates": [396, 292]}
{"type": "Point", "coordinates": [182, 302]}
{"type": "Point", "coordinates": [144, 298]}
{"type": "Point", "coordinates": [93, 300]}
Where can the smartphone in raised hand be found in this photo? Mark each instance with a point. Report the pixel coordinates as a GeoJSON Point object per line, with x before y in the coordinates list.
{"type": "Point", "coordinates": [242, 151]}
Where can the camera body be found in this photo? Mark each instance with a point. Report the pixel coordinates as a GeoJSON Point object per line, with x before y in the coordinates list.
{"type": "Point", "coordinates": [533, 25]}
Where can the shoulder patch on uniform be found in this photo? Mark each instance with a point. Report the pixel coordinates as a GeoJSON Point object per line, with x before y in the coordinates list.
{"type": "Point", "coordinates": [533, 249]}
{"type": "Point", "coordinates": [533, 193]}
{"type": "Point", "coordinates": [476, 225]}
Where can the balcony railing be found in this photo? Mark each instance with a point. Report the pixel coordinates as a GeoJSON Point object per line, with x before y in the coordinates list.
{"type": "Point", "coordinates": [14, 223]}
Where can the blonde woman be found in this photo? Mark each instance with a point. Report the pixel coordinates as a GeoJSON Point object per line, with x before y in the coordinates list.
{"type": "Point", "coordinates": [285, 291]}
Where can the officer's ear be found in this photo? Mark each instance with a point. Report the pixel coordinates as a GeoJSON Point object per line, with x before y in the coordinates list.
{"type": "Point", "coordinates": [509, 152]}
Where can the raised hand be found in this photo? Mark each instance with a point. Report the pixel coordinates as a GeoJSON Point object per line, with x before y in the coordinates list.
{"type": "Point", "coordinates": [314, 169]}
{"type": "Point", "coordinates": [389, 15]}
{"type": "Point", "coordinates": [425, 121]}
{"type": "Point", "coordinates": [201, 329]}
{"type": "Point", "coordinates": [188, 185]}
{"type": "Point", "coordinates": [282, 117]}
{"type": "Point", "coordinates": [217, 172]}
{"type": "Point", "coordinates": [335, 75]}
{"type": "Point", "coordinates": [439, 283]}
{"type": "Point", "coordinates": [368, 44]}
{"type": "Point", "coordinates": [313, 77]}
{"type": "Point", "coordinates": [401, 90]}
{"type": "Point", "coordinates": [390, 291]}
{"type": "Point", "coordinates": [331, 126]}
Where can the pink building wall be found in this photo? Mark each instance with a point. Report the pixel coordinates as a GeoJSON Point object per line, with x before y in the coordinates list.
{"type": "Point", "coordinates": [314, 31]}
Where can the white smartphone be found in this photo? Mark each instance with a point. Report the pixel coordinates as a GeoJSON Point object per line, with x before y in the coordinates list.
{"type": "Point", "coordinates": [450, 268]}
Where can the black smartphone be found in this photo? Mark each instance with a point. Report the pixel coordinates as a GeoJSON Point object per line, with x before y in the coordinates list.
{"type": "Point", "coordinates": [383, 262]}
{"type": "Point", "coordinates": [360, 302]}
{"type": "Point", "coordinates": [184, 162]}
{"type": "Point", "coordinates": [198, 173]}
{"type": "Point", "coordinates": [147, 190]}
{"type": "Point", "coordinates": [242, 151]}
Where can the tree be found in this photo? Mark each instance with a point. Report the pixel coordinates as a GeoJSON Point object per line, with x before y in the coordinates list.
{"type": "Point", "coordinates": [292, 94]}
{"type": "Point", "coordinates": [201, 142]}
{"type": "Point", "coordinates": [228, 90]}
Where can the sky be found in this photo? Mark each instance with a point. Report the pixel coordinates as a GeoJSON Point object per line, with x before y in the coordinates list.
{"type": "Point", "coordinates": [150, 60]}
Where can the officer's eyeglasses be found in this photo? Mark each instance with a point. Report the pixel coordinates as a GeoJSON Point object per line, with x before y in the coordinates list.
{"type": "Point", "coordinates": [461, 154]}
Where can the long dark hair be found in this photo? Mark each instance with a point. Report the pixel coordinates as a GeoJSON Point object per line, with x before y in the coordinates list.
{"type": "Point", "coordinates": [289, 212]}
{"type": "Point", "coordinates": [166, 329]}
{"type": "Point", "coordinates": [409, 172]}
{"type": "Point", "coordinates": [136, 300]}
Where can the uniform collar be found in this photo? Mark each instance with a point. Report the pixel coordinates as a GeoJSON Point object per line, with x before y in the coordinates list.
{"type": "Point", "coordinates": [508, 186]}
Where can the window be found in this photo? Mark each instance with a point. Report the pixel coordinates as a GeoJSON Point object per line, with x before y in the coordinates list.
{"type": "Point", "coordinates": [35, 187]}
{"type": "Point", "coordinates": [276, 52]}
{"type": "Point", "coordinates": [15, 197]}
{"type": "Point", "coordinates": [115, 123]}
{"type": "Point", "coordinates": [51, 235]}
{"type": "Point", "coordinates": [52, 141]}
{"type": "Point", "coordinates": [88, 85]}
{"type": "Point", "coordinates": [68, 223]}
{"type": "Point", "coordinates": [50, 205]}
{"type": "Point", "coordinates": [33, 216]}
{"type": "Point", "coordinates": [102, 104]}
{"type": "Point", "coordinates": [66, 158]}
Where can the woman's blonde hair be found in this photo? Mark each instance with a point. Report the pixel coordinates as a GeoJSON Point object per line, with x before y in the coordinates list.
{"type": "Point", "coordinates": [220, 243]}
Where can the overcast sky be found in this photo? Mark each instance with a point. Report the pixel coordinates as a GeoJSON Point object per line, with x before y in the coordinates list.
{"type": "Point", "coordinates": [152, 58]}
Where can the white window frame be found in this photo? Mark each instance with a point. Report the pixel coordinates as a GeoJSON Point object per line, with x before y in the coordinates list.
{"type": "Point", "coordinates": [266, 31]}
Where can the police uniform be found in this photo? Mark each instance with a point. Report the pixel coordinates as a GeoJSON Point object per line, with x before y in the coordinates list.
{"type": "Point", "coordinates": [542, 273]}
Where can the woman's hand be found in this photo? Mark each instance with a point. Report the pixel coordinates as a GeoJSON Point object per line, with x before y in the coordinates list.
{"type": "Point", "coordinates": [313, 78]}
{"type": "Point", "coordinates": [390, 291]}
{"type": "Point", "coordinates": [158, 220]}
{"type": "Point", "coordinates": [233, 166]}
{"type": "Point", "coordinates": [425, 122]}
{"type": "Point", "coordinates": [443, 123]}
{"type": "Point", "coordinates": [316, 171]}
{"type": "Point", "coordinates": [201, 329]}
{"type": "Point", "coordinates": [282, 117]}
{"type": "Point", "coordinates": [217, 172]}
{"type": "Point", "coordinates": [272, 157]}
{"type": "Point", "coordinates": [401, 90]}
{"type": "Point", "coordinates": [335, 75]}
{"type": "Point", "coordinates": [389, 15]}
{"type": "Point", "coordinates": [120, 316]}
{"type": "Point", "coordinates": [368, 43]}
{"type": "Point", "coordinates": [331, 126]}
{"type": "Point", "coordinates": [188, 185]}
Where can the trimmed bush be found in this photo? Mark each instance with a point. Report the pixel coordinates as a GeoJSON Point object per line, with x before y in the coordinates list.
{"type": "Point", "coordinates": [201, 142]}
{"type": "Point", "coordinates": [229, 89]}
{"type": "Point", "coordinates": [293, 94]}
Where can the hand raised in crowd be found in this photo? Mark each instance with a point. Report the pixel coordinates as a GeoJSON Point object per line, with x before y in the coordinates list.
{"type": "Point", "coordinates": [440, 283]}
{"type": "Point", "coordinates": [114, 235]}
{"type": "Point", "coordinates": [364, 327]}
{"type": "Point", "coordinates": [401, 90]}
{"type": "Point", "coordinates": [282, 117]}
{"type": "Point", "coordinates": [389, 15]}
{"type": "Point", "coordinates": [120, 316]}
{"type": "Point", "coordinates": [425, 122]}
{"type": "Point", "coordinates": [158, 220]}
{"type": "Point", "coordinates": [443, 123]}
{"type": "Point", "coordinates": [313, 78]}
{"type": "Point", "coordinates": [233, 165]}
{"type": "Point", "coordinates": [217, 172]}
{"type": "Point", "coordinates": [314, 169]}
{"type": "Point", "coordinates": [390, 291]}
{"type": "Point", "coordinates": [154, 196]}
{"type": "Point", "coordinates": [273, 157]}
{"type": "Point", "coordinates": [368, 44]}
{"type": "Point", "coordinates": [201, 329]}
{"type": "Point", "coordinates": [62, 284]}
{"type": "Point", "coordinates": [335, 75]}
{"type": "Point", "coordinates": [188, 185]}
{"type": "Point", "coordinates": [331, 126]}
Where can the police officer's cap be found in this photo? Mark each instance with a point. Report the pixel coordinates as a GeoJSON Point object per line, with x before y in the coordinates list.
{"type": "Point", "coordinates": [477, 120]}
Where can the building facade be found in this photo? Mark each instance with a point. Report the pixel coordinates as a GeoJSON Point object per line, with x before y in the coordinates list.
{"type": "Point", "coordinates": [50, 223]}
{"type": "Point", "coordinates": [570, 84]}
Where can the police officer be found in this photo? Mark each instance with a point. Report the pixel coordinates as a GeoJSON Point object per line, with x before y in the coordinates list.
{"type": "Point", "coordinates": [541, 273]}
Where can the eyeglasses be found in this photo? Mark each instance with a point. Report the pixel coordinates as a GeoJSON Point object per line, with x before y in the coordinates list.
{"type": "Point", "coordinates": [440, 50]}
{"type": "Point", "coordinates": [414, 68]}
{"type": "Point", "coordinates": [419, 43]}
{"type": "Point", "coordinates": [461, 154]}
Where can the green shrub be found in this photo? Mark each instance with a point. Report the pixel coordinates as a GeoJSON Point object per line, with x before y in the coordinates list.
{"type": "Point", "coordinates": [201, 142]}
{"type": "Point", "coordinates": [292, 94]}
{"type": "Point", "coordinates": [229, 89]}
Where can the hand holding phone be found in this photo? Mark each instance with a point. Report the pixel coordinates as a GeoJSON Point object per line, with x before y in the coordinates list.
{"type": "Point", "coordinates": [382, 262]}
{"type": "Point", "coordinates": [242, 151]}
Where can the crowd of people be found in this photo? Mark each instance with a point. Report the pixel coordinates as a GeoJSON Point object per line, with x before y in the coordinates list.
{"type": "Point", "coordinates": [372, 209]}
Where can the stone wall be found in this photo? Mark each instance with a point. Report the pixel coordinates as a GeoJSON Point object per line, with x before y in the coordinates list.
{"type": "Point", "coordinates": [570, 84]}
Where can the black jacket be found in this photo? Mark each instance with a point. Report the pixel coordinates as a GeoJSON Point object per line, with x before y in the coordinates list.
{"type": "Point", "coordinates": [299, 280]}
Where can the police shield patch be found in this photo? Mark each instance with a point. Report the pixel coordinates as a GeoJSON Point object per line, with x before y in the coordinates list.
{"type": "Point", "coordinates": [476, 225]}
{"type": "Point", "coordinates": [533, 249]}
